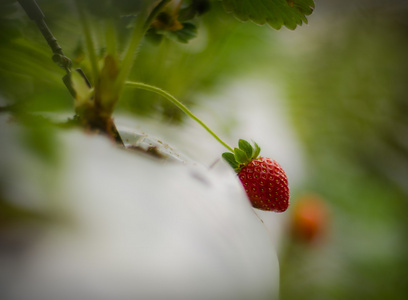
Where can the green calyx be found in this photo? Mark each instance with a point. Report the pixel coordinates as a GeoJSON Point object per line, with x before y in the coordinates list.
{"type": "Point", "coordinates": [242, 155]}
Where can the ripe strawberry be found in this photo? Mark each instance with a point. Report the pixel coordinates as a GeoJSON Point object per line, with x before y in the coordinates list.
{"type": "Point", "coordinates": [310, 219]}
{"type": "Point", "coordinates": [264, 180]}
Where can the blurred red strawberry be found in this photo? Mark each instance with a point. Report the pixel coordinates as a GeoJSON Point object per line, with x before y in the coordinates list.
{"type": "Point", "coordinates": [310, 218]}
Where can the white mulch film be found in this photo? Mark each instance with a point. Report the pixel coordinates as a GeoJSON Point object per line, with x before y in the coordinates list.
{"type": "Point", "coordinates": [136, 227]}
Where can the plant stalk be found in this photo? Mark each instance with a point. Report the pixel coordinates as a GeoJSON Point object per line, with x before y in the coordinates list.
{"type": "Point", "coordinates": [180, 105]}
{"type": "Point", "coordinates": [110, 36]}
{"type": "Point", "coordinates": [88, 39]}
{"type": "Point", "coordinates": [138, 33]}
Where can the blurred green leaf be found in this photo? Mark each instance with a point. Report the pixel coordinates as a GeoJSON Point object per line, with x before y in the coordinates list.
{"type": "Point", "coordinates": [108, 8]}
{"type": "Point", "coordinates": [276, 13]}
{"type": "Point", "coordinates": [349, 105]}
{"type": "Point", "coordinates": [188, 32]}
{"type": "Point", "coordinates": [10, 27]}
{"type": "Point", "coordinates": [12, 214]}
{"type": "Point", "coordinates": [194, 7]}
{"type": "Point", "coordinates": [39, 136]}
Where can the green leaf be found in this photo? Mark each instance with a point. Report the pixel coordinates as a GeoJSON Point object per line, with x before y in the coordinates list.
{"type": "Point", "coordinates": [83, 93]}
{"type": "Point", "coordinates": [195, 7]}
{"type": "Point", "coordinates": [256, 151]}
{"type": "Point", "coordinates": [108, 8]}
{"type": "Point", "coordinates": [230, 158]}
{"type": "Point", "coordinates": [240, 156]}
{"type": "Point", "coordinates": [188, 32]}
{"type": "Point", "coordinates": [246, 147]}
{"type": "Point", "coordinates": [276, 13]}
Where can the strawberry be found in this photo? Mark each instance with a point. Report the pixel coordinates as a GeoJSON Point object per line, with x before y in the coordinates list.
{"type": "Point", "coordinates": [264, 180]}
{"type": "Point", "coordinates": [310, 219]}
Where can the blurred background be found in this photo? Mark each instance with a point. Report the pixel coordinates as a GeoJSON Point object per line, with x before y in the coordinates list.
{"type": "Point", "coordinates": [341, 82]}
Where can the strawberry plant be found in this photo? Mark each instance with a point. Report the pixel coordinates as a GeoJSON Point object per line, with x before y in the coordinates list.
{"type": "Point", "coordinates": [97, 89]}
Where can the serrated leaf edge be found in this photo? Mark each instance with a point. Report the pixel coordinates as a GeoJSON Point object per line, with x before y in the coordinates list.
{"type": "Point", "coordinates": [280, 16]}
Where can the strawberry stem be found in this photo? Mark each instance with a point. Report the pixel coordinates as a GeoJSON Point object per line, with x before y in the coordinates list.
{"type": "Point", "coordinates": [180, 105]}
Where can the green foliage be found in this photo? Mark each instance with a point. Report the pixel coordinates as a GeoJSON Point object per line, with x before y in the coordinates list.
{"type": "Point", "coordinates": [348, 102]}
{"type": "Point", "coordinates": [276, 13]}
{"type": "Point", "coordinates": [246, 147]}
{"type": "Point", "coordinates": [242, 155]}
{"type": "Point", "coordinates": [230, 158]}
{"type": "Point", "coordinates": [183, 35]}
{"type": "Point", "coordinates": [183, 71]}
{"type": "Point", "coordinates": [39, 137]}
{"type": "Point", "coordinates": [201, 66]}
{"type": "Point", "coordinates": [194, 8]}
{"type": "Point", "coordinates": [10, 27]}
{"type": "Point", "coordinates": [188, 32]}
{"type": "Point", "coordinates": [256, 151]}
{"type": "Point", "coordinates": [13, 214]}
{"type": "Point", "coordinates": [115, 8]}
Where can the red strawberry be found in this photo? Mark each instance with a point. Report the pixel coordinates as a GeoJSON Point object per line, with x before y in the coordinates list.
{"type": "Point", "coordinates": [264, 180]}
{"type": "Point", "coordinates": [266, 184]}
{"type": "Point", "coordinates": [310, 218]}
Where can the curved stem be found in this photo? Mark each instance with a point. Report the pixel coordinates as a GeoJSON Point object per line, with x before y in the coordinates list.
{"type": "Point", "coordinates": [180, 105]}
{"type": "Point", "coordinates": [154, 14]}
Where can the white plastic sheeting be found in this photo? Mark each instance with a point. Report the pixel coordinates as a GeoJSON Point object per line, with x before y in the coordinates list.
{"type": "Point", "coordinates": [132, 226]}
